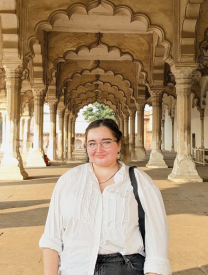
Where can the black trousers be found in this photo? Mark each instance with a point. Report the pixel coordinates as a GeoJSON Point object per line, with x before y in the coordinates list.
{"type": "Point", "coordinates": [117, 264]}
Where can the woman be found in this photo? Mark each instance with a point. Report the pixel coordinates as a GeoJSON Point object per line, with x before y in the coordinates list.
{"type": "Point", "coordinates": [92, 223]}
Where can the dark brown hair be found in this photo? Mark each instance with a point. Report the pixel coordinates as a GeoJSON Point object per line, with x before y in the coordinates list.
{"type": "Point", "coordinates": [107, 122]}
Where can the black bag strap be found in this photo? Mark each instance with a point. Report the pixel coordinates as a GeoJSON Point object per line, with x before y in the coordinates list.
{"type": "Point", "coordinates": [140, 209]}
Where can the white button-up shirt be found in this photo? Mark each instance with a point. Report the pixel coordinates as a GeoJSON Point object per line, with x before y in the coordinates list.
{"type": "Point", "coordinates": [82, 222]}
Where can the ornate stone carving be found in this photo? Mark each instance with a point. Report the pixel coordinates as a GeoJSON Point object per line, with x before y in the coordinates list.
{"type": "Point", "coordinates": [38, 92]}
{"type": "Point", "coordinates": [182, 72]}
{"type": "Point", "coordinates": [25, 75]}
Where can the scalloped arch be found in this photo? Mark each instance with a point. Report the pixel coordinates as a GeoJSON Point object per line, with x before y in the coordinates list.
{"type": "Point", "coordinates": [98, 71]}
{"type": "Point", "coordinates": [101, 52]}
{"type": "Point", "coordinates": [134, 22]}
{"type": "Point", "coordinates": [105, 87]}
{"type": "Point", "coordinates": [118, 82]}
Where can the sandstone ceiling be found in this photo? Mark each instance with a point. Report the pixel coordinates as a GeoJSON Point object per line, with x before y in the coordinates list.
{"type": "Point", "coordinates": [113, 52]}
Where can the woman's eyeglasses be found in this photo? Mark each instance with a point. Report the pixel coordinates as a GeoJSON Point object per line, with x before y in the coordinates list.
{"type": "Point", "coordinates": [106, 144]}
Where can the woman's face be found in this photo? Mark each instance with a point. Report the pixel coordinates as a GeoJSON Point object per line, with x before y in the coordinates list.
{"type": "Point", "coordinates": [101, 156]}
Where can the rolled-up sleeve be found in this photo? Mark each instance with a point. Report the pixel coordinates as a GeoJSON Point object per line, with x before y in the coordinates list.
{"type": "Point", "coordinates": [156, 226]}
{"type": "Point", "coordinates": [52, 236]}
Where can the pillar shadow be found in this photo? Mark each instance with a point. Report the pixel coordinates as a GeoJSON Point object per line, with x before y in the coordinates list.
{"type": "Point", "coordinates": [203, 270]}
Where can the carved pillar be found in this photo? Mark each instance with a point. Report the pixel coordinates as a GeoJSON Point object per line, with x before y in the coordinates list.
{"type": "Point", "coordinates": [51, 152]}
{"type": "Point", "coordinates": [126, 128]}
{"type": "Point", "coordinates": [121, 124]}
{"type": "Point", "coordinates": [60, 113]}
{"type": "Point", "coordinates": [3, 143]}
{"type": "Point", "coordinates": [28, 141]}
{"type": "Point", "coordinates": [25, 133]}
{"type": "Point", "coordinates": [184, 169]}
{"type": "Point", "coordinates": [22, 124]}
{"type": "Point", "coordinates": [172, 146]}
{"type": "Point", "coordinates": [156, 158]}
{"type": "Point", "coordinates": [125, 154]}
{"type": "Point", "coordinates": [202, 127]}
{"type": "Point", "coordinates": [132, 132]}
{"type": "Point", "coordinates": [163, 134]}
{"type": "Point", "coordinates": [70, 137]}
{"type": "Point", "coordinates": [11, 164]}
{"type": "Point", "coordinates": [118, 121]}
{"type": "Point", "coordinates": [140, 153]}
{"type": "Point", "coordinates": [36, 155]}
{"type": "Point", "coordinates": [73, 133]}
{"type": "Point", "coordinates": [66, 122]}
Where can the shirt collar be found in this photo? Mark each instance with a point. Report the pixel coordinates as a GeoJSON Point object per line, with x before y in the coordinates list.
{"type": "Point", "coordinates": [118, 177]}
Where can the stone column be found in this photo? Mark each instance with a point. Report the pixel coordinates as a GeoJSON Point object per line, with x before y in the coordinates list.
{"type": "Point", "coordinates": [121, 124]}
{"type": "Point", "coordinates": [36, 155]}
{"type": "Point", "coordinates": [163, 134]}
{"type": "Point", "coordinates": [69, 137]}
{"type": "Point", "coordinates": [118, 121]}
{"type": "Point", "coordinates": [51, 152]}
{"type": "Point", "coordinates": [11, 164]}
{"type": "Point", "coordinates": [139, 152]}
{"type": "Point", "coordinates": [3, 143]}
{"type": "Point", "coordinates": [25, 138]}
{"type": "Point", "coordinates": [66, 121]}
{"type": "Point", "coordinates": [202, 127]}
{"type": "Point", "coordinates": [132, 132]}
{"type": "Point", "coordinates": [125, 154]}
{"type": "Point", "coordinates": [28, 141]}
{"type": "Point", "coordinates": [60, 113]}
{"type": "Point", "coordinates": [184, 169]}
{"type": "Point", "coordinates": [172, 146]}
{"type": "Point", "coordinates": [73, 133]}
{"type": "Point", "coordinates": [22, 124]}
{"type": "Point", "coordinates": [156, 158]}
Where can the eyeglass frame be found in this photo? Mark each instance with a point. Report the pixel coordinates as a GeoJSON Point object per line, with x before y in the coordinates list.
{"type": "Point", "coordinates": [101, 143]}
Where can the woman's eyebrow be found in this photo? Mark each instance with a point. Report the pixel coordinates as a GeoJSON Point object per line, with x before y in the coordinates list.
{"type": "Point", "coordinates": [102, 139]}
{"type": "Point", "coordinates": [91, 140]}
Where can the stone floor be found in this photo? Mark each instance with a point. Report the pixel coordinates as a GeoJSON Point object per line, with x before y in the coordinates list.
{"type": "Point", "coordinates": [24, 205]}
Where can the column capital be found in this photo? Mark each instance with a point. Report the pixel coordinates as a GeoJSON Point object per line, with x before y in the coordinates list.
{"type": "Point", "coordinates": [126, 116]}
{"type": "Point", "coordinates": [13, 68]}
{"type": "Point", "coordinates": [52, 103]}
{"type": "Point", "coordinates": [38, 91]}
{"type": "Point", "coordinates": [140, 106]}
{"type": "Point", "coordinates": [183, 72]}
{"type": "Point", "coordinates": [156, 97]}
{"type": "Point", "coordinates": [26, 117]}
{"type": "Point", "coordinates": [60, 112]}
{"type": "Point", "coordinates": [132, 112]}
{"type": "Point", "coordinates": [183, 76]}
{"type": "Point", "coordinates": [156, 91]}
{"type": "Point", "coordinates": [66, 113]}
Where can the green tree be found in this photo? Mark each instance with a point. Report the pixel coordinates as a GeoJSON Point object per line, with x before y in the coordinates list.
{"type": "Point", "coordinates": [98, 111]}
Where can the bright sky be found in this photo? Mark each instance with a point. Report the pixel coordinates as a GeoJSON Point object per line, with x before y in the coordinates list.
{"type": "Point", "coordinates": [81, 124]}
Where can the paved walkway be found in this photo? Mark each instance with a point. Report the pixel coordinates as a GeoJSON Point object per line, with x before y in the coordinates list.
{"type": "Point", "coordinates": [24, 205]}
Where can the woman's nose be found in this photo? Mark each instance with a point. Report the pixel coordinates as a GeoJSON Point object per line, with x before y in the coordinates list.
{"type": "Point", "coordinates": [99, 147]}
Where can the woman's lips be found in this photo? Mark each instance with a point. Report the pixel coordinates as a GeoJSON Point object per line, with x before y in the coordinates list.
{"type": "Point", "coordinates": [100, 156]}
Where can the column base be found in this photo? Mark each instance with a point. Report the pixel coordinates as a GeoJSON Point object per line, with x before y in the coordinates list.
{"type": "Point", "coordinates": [184, 170]}
{"type": "Point", "coordinates": [139, 154]}
{"type": "Point", "coordinates": [12, 168]}
{"type": "Point", "coordinates": [35, 158]}
{"type": "Point", "coordinates": [156, 160]}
